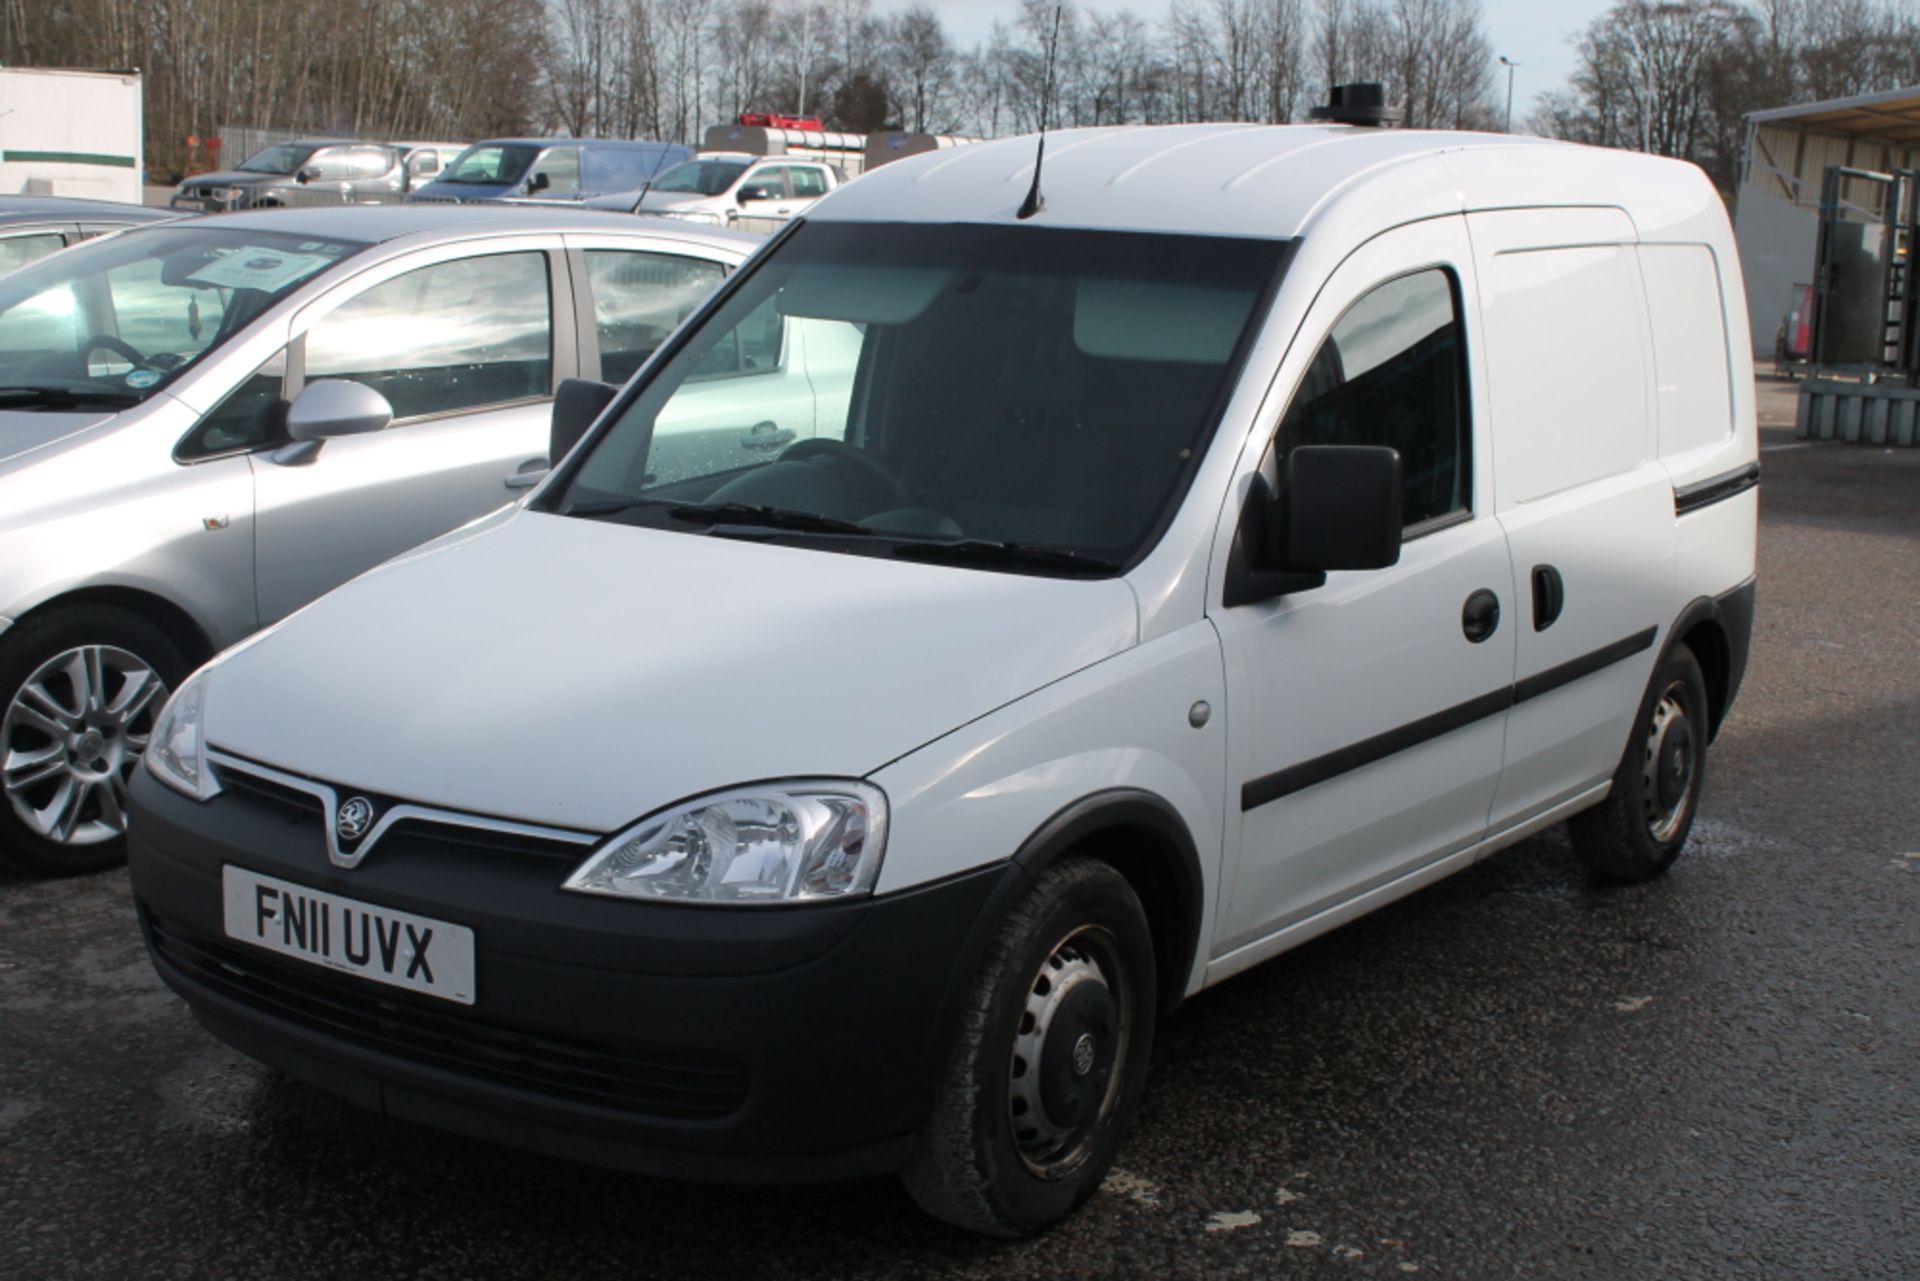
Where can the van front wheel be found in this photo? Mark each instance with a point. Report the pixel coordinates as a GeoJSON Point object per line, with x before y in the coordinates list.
{"type": "Point", "coordinates": [1638, 831]}
{"type": "Point", "coordinates": [1050, 1058]}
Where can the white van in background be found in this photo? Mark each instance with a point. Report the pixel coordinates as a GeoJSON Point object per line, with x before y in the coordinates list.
{"type": "Point", "coordinates": [1190, 547]}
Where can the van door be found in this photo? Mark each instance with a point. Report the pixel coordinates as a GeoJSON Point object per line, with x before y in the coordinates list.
{"type": "Point", "coordinates": [466, 350]}
{"type": "Point", "coordinates": [1365, 717]}
{"type": "Point", "coordinates": [1586, 506]}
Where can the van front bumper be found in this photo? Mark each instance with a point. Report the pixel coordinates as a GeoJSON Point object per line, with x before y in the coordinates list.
{"type": "Point", "coordinates": [743, 1044]}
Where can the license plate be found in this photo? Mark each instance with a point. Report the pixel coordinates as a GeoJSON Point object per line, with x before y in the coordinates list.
{"type": "Point", "coordinates": [378, 943]}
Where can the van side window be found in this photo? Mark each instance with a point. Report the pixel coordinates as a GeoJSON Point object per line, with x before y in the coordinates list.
{"type": "Point", "coordinates": [457, 335]}
{"type": "Point", "coordinates": [562, 167]}
{"type": "Point", "coordinates": [1390, 374]}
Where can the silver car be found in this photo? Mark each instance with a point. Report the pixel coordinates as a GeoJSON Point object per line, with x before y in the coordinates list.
{"type": "Point", "coordinates": [206, 424]}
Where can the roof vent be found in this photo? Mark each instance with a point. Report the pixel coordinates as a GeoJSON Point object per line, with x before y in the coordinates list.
{"type": "Point", "coordinates": [1358, 104]}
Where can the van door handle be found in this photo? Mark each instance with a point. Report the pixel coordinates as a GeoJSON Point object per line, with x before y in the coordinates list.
{"type": "Point", "coordinates": [529, 474]}
{"type": "Point", "coordinates": [1549, 596]}
{"type": "Point", "coordinates": [768, 435]}
{"type": "Point", "coordinates": [1480, 615]}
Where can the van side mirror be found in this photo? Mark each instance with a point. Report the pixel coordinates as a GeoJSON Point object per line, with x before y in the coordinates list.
{"type": "Point", "coordinates": [1340, 510]}
{"type": "Point", "coordinates": [577, 402]}
{"type": "Point", "coordinates": [1343, 507]}
{"type": "Point", "coordinates": [539, 182]}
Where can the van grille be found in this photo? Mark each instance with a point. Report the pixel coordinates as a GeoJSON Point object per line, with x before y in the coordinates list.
{"type": "Point", "coordinates": [428, 1032]}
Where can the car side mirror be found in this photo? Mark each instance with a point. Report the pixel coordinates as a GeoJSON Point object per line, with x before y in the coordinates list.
{"type": "Point", "coordinates": [577, 403]}
{"type": "Point", "coordinates": [335, 407]}
{"type": "Point", "coordinates": [307, 174]}
{"type": "Point", "coordinates": [539, 182]}
{"type": "Point", "coordinates": [1343, 508]}
{"type": "Point", "coordinates": [757, 192]}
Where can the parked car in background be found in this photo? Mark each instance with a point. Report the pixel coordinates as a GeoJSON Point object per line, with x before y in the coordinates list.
{"type": "Point", "coordinates": [31, 227]}
{"type": "Point", "coordinates": [317, 172]}
{"type": "Point", "coordinates": [205, 425]}
{"type": "Point", "coordinates": [723, 188]}
{"type": "Point", "coordinates": [548, 169]}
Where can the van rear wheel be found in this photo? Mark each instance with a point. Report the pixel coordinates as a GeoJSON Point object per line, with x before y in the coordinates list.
{"type": "Point", "coordinates": [1640, 829]}
{"type": "Point", "coordinates": [79, 691]}
{"type": "Point", "coordinates": [1049, 1062]}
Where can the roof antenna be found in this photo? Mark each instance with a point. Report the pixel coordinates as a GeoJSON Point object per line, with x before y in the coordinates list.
{"type": "Point", "coordinates": [653, 173]}
{"type": "Point", "coordinates": [1035, 202]}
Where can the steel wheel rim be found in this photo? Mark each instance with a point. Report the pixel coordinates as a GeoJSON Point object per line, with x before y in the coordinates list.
{"type": "Point", "coordinates": [1087, 961]}
{"type": "Point", "coordinates": [71, 736]}
{"type": "Point", "coordinates": [1670, 770]}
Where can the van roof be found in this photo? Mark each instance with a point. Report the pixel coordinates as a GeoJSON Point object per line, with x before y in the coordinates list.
{"type": "Point", "coordinates": [376, 224]}
{"type": "Point", "coordinates": [1268, 181]}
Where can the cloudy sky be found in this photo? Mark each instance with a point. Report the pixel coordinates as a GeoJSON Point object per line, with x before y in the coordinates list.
{"type": "Point", "coordinates": [1531, 32]}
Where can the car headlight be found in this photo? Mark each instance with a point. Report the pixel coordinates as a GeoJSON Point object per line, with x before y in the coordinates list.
{"type": "Point", "coordinates": [769, 843]}
{"type": "Point", "coordinates": [177, 752]}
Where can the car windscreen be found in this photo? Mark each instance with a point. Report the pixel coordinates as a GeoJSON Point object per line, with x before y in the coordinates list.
{"type": "Point", "coordinates": [701, 177]}
{"type": "Point", "coordinates": [490, 164]}
{"type": "Point", "coordinates": [1019, 398]}
{"type": "Point", "coordinates": [115, 320]}
{"type": "Point", "coordinates": [282, 157]}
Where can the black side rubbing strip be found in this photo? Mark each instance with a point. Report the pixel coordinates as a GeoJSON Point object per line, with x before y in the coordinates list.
{"type": "Point", "coordinates": [1297, 778]}
{"type": "Point", "coordinates": [1586, 665]}
{"type": "Point", "coordinates": [1705, 493]}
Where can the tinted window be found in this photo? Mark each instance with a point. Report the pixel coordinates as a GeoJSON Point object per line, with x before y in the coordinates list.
{"type": "Point", "coordinates": [487, 165]}
{"type": "Point", "coordinates": [252, 416]}
{"type": "Point", "coordinates": [562, 168]}
{"type": "Point", "coordinates": [640, 298]}
{"type": "Point", "coordinates": [1029, 385]}
{"type": "Point", "coordinates": [701, 177]}
{"type": "Point", "coordinates": [1390, 374]}
{"type": "Point", "coordinates": [622, 168]}
{"type": "Point", "coordinates": [456, 335]}
{"type": "Point", "coordinates": [18, 251]}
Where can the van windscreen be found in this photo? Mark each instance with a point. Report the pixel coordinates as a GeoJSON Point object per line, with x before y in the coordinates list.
{"type": "Point", "coordinates": [943, 392]}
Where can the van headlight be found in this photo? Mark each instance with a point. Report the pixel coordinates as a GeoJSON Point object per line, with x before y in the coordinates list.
{"type": "Point", "coordinates": [769, 843]}
{"type": "Point", "coordinates": [177, 751]}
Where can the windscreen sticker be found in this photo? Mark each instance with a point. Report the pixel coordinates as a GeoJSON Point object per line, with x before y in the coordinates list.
{"type": "Point", "coordinates": [255, 267]}
{"type": "Point", "coordinates": [141, 379]}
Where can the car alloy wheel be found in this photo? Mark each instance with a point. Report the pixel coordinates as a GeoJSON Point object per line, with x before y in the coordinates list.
{"type": "Point", "coordinates": [72, 734]}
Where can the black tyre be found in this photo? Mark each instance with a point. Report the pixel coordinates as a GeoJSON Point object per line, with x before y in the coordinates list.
{"type": "Point", "coordinates": [1050, 1058]}
{"type": "Point", "coordinates": [79, 690]}
{"type": "Point", "coordinates": [1639, 830]}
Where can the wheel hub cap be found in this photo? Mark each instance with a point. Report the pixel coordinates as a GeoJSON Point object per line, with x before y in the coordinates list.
{"type": "Point", "coordinates": [1066, 1055]}
{"type": "Point", "coordinates": [1668, 773]}
{"type": "Point", "coordinates": [69, 738]}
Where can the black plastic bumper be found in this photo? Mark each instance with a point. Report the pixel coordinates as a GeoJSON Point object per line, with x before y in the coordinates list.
{"type": "Point", "coordinates": [1735, 611]}
{"type": "Point", "coordinates": [770, 1044]}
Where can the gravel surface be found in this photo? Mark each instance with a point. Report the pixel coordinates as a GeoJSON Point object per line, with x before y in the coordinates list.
{"type": "Point", "coordinates": [1517, 1072]}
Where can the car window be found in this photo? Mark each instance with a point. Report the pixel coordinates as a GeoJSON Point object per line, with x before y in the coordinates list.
{"type": "Point", "coordinates": [370, 162]}
{"type": "Point", "coordinates": [1390, 374]}
{"type": "Point", "coordinates": [18, 251]}
{"type": "Point", "coordinates": [454, 336]}
{"type": "Point", "coordinates": [808, 182]}
{"type": "Point", "coordinates": [771, 179]}
{"type": "Point", "coordinates": [562, 167]}
{"type": "Point", "coordinates": [752, 347]}
{"type": "Point", "coordinates": [253, 416]}
{"type": "Point", "coordinates": [423, 162]}
{"type": "Point", "coordinates": [640, 298]}
{"type": "Point", "coordinates": [334, 163]}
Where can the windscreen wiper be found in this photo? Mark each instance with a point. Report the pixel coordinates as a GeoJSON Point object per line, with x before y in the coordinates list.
{"type": "Point", "coordinates": [63, 398]}
{"type": "Point", "coordinates": [757, 516]}
{"type": "Point", "coordinates": [985, 551]}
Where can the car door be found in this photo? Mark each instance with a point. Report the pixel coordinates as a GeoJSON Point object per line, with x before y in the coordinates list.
{"type": "Point", "coordinates": [1585, 503]}
{"type": "Point", "coordinates": [462, 342]}
{"type": "Point", "coordinates": [1366, 716]}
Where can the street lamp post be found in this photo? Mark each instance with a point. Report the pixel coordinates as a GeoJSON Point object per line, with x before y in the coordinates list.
{"type": "Point", "coordinates": [1509, 64]}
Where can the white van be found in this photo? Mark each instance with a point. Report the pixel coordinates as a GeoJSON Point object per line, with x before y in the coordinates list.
{"type": "Point", "coordinates": [1276, 521]}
